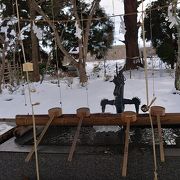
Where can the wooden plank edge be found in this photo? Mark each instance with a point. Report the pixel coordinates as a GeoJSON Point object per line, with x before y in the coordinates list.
{"type": "Point", "coordinates": [170, 119]}
{"type": "Point", "coordinates": [7, 135]}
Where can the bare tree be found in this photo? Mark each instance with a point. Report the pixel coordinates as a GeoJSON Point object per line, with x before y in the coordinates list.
{"type": "Point", "coordinates": [83, 43]}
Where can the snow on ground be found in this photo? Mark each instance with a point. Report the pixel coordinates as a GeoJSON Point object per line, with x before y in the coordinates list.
{"type": "Point", "coordinates": [73, 96]}
{"type": "Point", "coordinates": [4, 128]}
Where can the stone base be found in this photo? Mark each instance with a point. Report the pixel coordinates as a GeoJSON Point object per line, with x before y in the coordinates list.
{"type": "Point", "coordinates": [89, 163]}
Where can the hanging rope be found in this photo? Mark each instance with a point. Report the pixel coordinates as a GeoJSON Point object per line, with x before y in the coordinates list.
{"type": "Point", "coordinates": [150, 24]}
{"type": "Point", "coordinates": [19, 32]}
{"type": "Point", "coordinates": [56, 56]}
{"type": "Point", "coordinates": [154, 147]}
{"type": "Point", "coordinates": [87, 95]}
{"type": "Point", "coordinates": [147, 95]}
{"type": "Point", "coordinates": [24, 94]}
{"type": "Point", "coordinates": [60, 92]}
{"type": "Point", "coordinates": [113, 14]}
{"type": "Point", "coordinates": [145, 56]}
{"type": "Point", "coordinates": [14, 56]}
{"type": "Point", "coordinates": [58, 78]}
{"type": "Point", "coordinates": [82, 33]}
{"type": "Point", "coordinates": [30, 99]}
{"type": "Point", "coordinates": [34, 127]}
{"type": "Point", "coordinates": [113, 6]}
{"type": "Point", "coordinates": [95, 19]}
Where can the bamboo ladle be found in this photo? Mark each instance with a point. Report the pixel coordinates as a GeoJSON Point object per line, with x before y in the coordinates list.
{"type": "Point", "coordinates": [81, 113]}
{"type": "Point", "coordinates": [128, 117]}
{"type": "Point", "coordinates": [53, 112]}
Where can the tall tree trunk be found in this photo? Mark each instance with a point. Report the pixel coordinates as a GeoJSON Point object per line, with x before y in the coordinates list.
{"type": "Point", "coordinates": [177, 73]}
{"type": "Point", "coordinates": [35, 47]}
{"type": "Point", "coordinates": [131, 36]}
{"type": "Point", "coordinates": [83, 42]}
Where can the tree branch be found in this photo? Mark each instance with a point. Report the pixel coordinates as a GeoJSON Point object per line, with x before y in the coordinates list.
{"type": "Point", "coordinates": [41, 1]}
{"type": "Point", "coordinates": [75, 12]}
{"type": "Point", "coordinates": [123, 41]}
{"type": "Point", "coordinates": [38, 9]}
{"type": "Point", "coordinates": [80, 42]}
{"type": "Point", "coordinates": [94, 6]}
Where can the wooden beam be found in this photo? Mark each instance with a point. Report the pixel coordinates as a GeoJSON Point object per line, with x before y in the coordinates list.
{"type": "Point", "coordinates": [7, 135]}
{"type": "Point", "coordinates": [170, 119]}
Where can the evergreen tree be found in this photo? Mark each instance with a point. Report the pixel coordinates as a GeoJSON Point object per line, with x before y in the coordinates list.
{"type": "Point", "coordinates": [162, 37]}
{"type": "Point", "coordinates": [101, 30]}
{"type": "Point", "coordinates": [9, 17]}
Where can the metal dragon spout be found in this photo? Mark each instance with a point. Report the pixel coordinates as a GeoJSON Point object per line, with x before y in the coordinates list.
{"type": "Point", "coordinates": [119, 102]}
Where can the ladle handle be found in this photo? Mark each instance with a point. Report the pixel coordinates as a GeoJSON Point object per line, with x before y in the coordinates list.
{"type": "Point", "coordinates": [39, 139]}
{"type": "Point", "coordinates": [160, 140]}
{"type": "Point", "coordinates": [126, 147]}
{"type": "Point", "coordinates": [71, 152]}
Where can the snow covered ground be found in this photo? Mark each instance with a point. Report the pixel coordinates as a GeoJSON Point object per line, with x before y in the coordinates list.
{"type": "Point", "coordinates": [73, 96]}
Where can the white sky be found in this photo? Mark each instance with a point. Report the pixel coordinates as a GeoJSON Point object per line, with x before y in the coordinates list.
{"type": "Point", "coordinates": [116, 7]}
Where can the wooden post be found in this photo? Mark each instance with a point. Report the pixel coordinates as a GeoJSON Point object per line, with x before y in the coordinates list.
{"type": "Point", "coordinates": [126, 147]}
{"type": "Point", "coordinates": [159, 111]}
{"type": "Point", "coordinates": [128, 117]}
{"type": "Point", "coordinates": [160, 139]}
{"type": "Point", "coordinates": [27, 67]}
{"type": "Point", "coordinates": [81, 113]}
{"type": "Point", "coordinates": [54, 112]}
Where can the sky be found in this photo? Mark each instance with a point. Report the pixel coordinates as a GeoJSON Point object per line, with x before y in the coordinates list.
{"type": "Point", "coordinates": [116, 7]}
